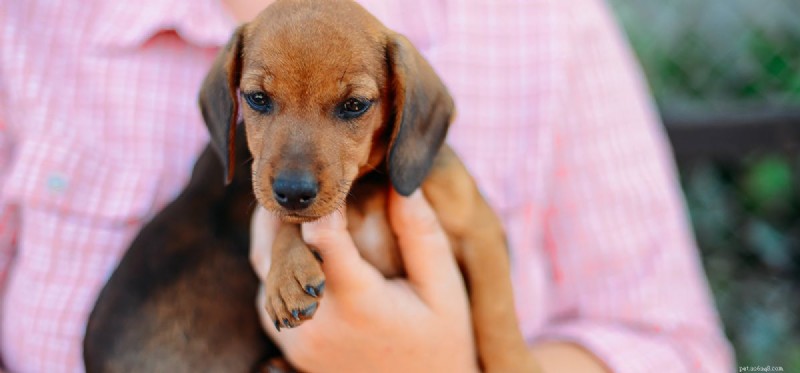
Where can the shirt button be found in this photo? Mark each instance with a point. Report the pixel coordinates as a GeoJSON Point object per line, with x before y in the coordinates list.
{"type": "Point", "coordinates": [57, 183]}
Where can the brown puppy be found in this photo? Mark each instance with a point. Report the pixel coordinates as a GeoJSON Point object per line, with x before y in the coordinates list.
{"type": "Point", "coordinates": [336, 107]}
{"type": "Point", "coordinates": [333, 98]}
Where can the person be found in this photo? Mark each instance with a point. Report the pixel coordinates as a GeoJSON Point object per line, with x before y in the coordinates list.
{"type": "Point", "coordinates": [99, 129]}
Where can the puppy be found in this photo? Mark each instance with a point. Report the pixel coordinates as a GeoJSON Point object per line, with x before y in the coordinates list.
{"type": "Point", "coordinates": [336, 108]}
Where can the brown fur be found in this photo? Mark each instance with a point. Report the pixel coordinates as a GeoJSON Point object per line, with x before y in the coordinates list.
{"type": "Point", "coordinates": [310, 56]}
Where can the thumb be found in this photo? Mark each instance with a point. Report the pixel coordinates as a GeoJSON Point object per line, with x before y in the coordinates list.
{"type": "Point", "coordinates": [343, 266]}
{"type": "Point", "coordinates": [425, 248]}
{"type": "Point", "coordinates": [263, 227]}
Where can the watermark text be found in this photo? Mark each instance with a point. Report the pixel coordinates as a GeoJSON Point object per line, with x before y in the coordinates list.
{"type": "Point", "coordinates": [760, 368]}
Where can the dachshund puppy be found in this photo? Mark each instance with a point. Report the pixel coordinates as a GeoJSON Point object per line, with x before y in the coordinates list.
{"type": "Point", "coordinates": [336, 109]}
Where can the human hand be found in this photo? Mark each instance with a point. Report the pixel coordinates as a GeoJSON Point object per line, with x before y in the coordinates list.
{"type": "Point", "coordinates": [366, 322]}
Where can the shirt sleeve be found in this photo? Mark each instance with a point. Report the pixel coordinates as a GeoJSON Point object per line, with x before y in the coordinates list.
{"type": "Point", "coordinates": [616, 229]}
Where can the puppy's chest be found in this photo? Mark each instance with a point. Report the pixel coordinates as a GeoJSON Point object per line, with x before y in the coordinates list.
{"type": "Point", "coordinates": [369, 225]}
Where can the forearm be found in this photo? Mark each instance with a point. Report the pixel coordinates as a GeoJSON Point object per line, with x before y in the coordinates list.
{"type": "Point", "coordinates": [566, 357]}
{"type": "Point", "coordinates": [8, 214]}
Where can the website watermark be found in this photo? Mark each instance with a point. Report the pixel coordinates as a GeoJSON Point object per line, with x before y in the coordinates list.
{"type": "Point", "coordinates": [760, 368]}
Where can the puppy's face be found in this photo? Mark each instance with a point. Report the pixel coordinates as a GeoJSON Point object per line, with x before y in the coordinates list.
{"type": "Point", "coordinates": [314, 96]}
{"type": "Point", "coordinates": [327, 94]}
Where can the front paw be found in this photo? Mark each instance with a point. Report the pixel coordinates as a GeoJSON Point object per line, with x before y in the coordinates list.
{"type": "Point", "coordinates": [294, 286]}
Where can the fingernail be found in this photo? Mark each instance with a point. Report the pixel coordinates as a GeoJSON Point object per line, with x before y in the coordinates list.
{"type": "Point", "coordinates": [277, 325]}
{"type": "Point", "coordinates": [418, 206]}
{"type": "Point", "coordinates": [334, 222]}
{"type": "Point", "coordinates": [296, 314]}
{"type": "Point", "coordinates": [286, 323]}
{"type": "Point", "coordinates": [416, 196]}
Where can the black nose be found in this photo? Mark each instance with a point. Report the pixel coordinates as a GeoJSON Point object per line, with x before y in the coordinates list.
{"type": "Point", "coordinates": [295, 191]}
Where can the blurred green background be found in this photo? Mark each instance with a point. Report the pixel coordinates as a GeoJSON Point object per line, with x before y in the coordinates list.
{"type": "Point", "coordinates": [726, 77]}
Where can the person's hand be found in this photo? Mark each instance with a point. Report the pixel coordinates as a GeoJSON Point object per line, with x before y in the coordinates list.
{"type": "Point", "coordinates": [366, 323]}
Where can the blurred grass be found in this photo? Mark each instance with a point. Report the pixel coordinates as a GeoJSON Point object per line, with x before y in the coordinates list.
{"type": "Point", "coordinates": [705, 58]}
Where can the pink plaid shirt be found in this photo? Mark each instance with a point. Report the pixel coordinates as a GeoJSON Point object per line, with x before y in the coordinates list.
{"type": "Point", "coordinates": [99, 129]}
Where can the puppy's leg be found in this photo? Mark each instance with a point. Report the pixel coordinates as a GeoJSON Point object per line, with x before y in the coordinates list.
{"type": "Point", "coordinates": [295, 281]}
{"type": "Point", "coordinates": [480, 248]}
{"type": "Point", "coordinates": [485, 261]}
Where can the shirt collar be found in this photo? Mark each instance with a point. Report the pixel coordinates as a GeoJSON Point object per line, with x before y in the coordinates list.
{"type": "Point", "coordinates": [129, 24]}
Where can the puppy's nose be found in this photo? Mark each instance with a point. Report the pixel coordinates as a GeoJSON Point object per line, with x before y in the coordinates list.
{"type": "Point", "coordinates": [295, 191]}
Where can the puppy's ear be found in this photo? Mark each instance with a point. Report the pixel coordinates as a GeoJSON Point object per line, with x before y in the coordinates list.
{"type": "Point", "coordinates": [219, 103]}
{"type": "Point", "coordinates": [422, 112]}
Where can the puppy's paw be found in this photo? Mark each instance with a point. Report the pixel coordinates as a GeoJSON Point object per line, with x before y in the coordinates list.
{"type": "Point", "coordinates": [294, 287]}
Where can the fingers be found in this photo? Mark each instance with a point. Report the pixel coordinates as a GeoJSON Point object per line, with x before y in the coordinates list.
{"type": "Point", "coordinates": [426, 251]}
{"type": "Point", "coordinates": [344, 268]}
{"type": "Point", "coordinates": [263, 227]}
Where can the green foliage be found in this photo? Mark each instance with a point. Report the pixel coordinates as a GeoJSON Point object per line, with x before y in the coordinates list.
{"type": "Point", "coordinates": [746, 216]}
{"type": "Point", "coordinates": [731, 56]}
{"type": "Point", "coordinates": [767, 184]}
{"type": "Point", "coordinates": [716, 54]}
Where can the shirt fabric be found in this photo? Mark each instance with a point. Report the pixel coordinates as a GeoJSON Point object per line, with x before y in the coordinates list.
{"type": "Point", "coordinates": [99, 129]}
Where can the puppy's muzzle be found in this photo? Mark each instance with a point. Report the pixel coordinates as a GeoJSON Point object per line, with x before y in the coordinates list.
{"type": "Point", "coordinates": [295, 190]}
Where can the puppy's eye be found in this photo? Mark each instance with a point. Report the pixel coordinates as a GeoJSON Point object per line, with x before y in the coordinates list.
{"type": "Point", "coordinates": [353, 108]}
{"type": "Point", "coordinates": [259, 101]}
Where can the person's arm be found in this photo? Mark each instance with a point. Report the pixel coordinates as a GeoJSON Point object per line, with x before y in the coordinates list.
{"type": "Point", "coordinates": [617, 231]}
{"type": "Point", "coordinates": [8, 216]}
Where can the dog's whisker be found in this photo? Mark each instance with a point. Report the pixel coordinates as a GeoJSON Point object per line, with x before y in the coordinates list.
{"type": "Point", "coordinates": [245, 162]}
{"type": "Point", "coordinates": [253, 204]}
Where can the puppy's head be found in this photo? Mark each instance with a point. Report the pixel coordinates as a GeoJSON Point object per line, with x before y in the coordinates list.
{"type": "Point", "coordinates": [327, 94]}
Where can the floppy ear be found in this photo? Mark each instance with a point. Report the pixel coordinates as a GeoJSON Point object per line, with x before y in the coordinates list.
{"type": "Point", "coordinates": [422, 112]}
{"type": "Point", "coordinates": [219, 103]}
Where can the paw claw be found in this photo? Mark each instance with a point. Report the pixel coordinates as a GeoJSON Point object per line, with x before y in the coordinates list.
{"type": "Point", "coordinates": [309, 311]}
{"type": "Point", "coordinates": [317, 255]}
{"type": "Point", "coordinates": [310, 290]}
{"type": "Point", "coordinates": [315, 291]}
